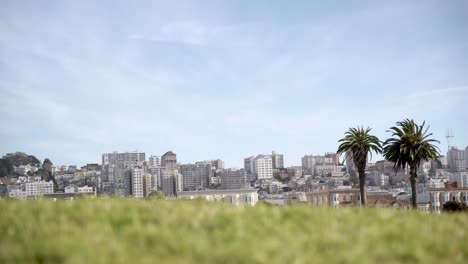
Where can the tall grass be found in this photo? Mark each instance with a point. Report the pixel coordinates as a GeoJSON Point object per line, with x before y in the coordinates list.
{"type": "Point", "coordinates": [158, 231]}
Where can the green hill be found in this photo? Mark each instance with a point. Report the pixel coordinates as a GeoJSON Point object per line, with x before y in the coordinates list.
{"type": "Point", "coordinates": [159, 231]}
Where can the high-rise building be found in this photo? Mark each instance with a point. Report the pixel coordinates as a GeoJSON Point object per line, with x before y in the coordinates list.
{"type": "Point", "coordinates": [169, 160]}
{"type": "Point", "coordinates": [171, 182]}
{"type": "Point", "coordinates": [138, 182]}
{"type": "Point", "coordinates": [262, 167]}
{"type": "Point", "coordinates": [456, 159]}
{"type": "Point", "coordinates": [154, 161]}
{"type": "Point", "coordinates": [233, 179]}
{"type": "Point", "coordinates": [122, 182]}
{"type": "Point", "coordinates": [466, 157]}
{"type": "Point", "coordinates": [124, 160]}
{"type": "Point", "coordinates": [277, 160]}
{"type": "Point", "coordinates": [196, 175]}
{"type": "Point", "coordinates": [248, 163]}
{"type": "Point", "coordinates": [217, 164]}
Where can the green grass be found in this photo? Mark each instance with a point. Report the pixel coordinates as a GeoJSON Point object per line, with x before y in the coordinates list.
{"type": "Point", "coordinates": [156, 231]}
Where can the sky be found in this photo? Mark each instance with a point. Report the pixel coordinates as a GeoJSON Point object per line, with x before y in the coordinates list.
{"type": "Point", "coordinates": [226, 79]}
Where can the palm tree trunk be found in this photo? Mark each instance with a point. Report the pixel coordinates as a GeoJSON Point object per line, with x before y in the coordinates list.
{"type": "Point", "coordinates": [414, 191]}
{"type": "Point", "coordinates": [362, 183]}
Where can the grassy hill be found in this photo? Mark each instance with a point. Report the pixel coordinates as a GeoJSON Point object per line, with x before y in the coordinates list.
{"type": "Point", "coordinates": [134, 231]}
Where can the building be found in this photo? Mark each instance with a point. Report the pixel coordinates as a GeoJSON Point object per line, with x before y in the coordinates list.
{"type": "Point", "coordinates": [439, 196]}
{"type": "Point", "coordinates": [171, 182]}
{"type": "Point", "coordinates": [39, 188]}
{"type": "Point", "coordinates": [277, 160]}
{"type": "Point", "coordinates": [466, 157]}
{"type": "Point", "coordinates": [456, 159]}
{"type": "Point", "coordinates": [138, 182]}
{"type": "Point", "coordinates": [235, 197]}
{"type": "Point", "coordinates": [461, 177]}
{"type": "Point", "coordinates": [295, 171]}
{"type": "Point", "coordinates": [262, 167]}
{"type": "Point", "coordinates": [122, 182]}
{"type": "Point", "coordinates": [233, 179]}
{"type": "Point", "coordinates": [169, 160]}
{"type": "Point", "coordinates": [247, 164]}
{"type": "Point", "coordinates": [334, 198]}
{"type": "Point", "coordinates": [309, 162]}
{"type": "Point", "coordinates": [17, 194]}
{"type": "Point", "coordinates": [85, 189]}
{"type": "Point", "coordinates": [196, 175]}
{"type": "Point", "coordinates": [124, 160]}
{"type": "Point", "coordinates": [327, 169]}
{"type": "Point", "coordinates": [333, 158]}
{"type": "Point", "coordinates": [217, 164]}
{"type": "Point", "coordinates": [154, 161]}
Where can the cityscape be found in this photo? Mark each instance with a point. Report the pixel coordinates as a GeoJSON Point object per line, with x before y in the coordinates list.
{"type": "Point", "coordinates": [233, 131]}
{"type": "Point", "coordinates": [318, 180]}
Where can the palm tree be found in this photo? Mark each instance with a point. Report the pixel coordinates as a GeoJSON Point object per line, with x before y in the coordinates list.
{"type": "Point", "coordinates": [357, 144]}
{"type": "Point", "coordinates": [409, 145]}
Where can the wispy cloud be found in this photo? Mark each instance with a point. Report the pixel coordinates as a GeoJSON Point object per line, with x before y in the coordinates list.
{"type": "Point", "coordinates": [185, 32]}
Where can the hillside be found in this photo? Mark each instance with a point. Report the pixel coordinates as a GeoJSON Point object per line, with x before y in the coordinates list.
{"type": "Point", "coordinates": [158, 231]}
{"type": "Point", "coordinates": [16, 159]}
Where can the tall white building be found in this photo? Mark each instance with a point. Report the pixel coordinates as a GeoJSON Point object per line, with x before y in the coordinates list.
{"type": "Point", "coordinates": [138, 182]}
{"type": "Point", "coordinates": [39, 188]}
{"type": "Point", "coordinates": [262, 167]}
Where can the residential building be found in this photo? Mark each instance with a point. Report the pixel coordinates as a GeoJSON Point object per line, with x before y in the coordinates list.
{"type": "Point", "coordinates": [171, 182]}
{"type": "Point", "coordinates": [39, 188]}
{"type": "Point", "coordinates": [138, 182]}
{"type": "Point", "coordinates": [70, 189]}
{"type": "Point", "coordinates": [262, 167]}
{"type": "Point", "coordinates": [439, 196]}
{"type": "Point", "coordinates": [154, 161]}
{"type": "Point", "coordinates": [334, 198]}
{"type": "Point", "coordinates": [235, 197]}
{"type": "Point", "coordinates": [85, 189]}
{"type": "Point", "coordinates": [233, 179]}
{"type": "Point", "coordinates": [295, 171]}
{"type": "Point", "coordinates": [456, 159]}
{"type": "Point", "coordinates": [461, 177]}
{"type": "Point", "coordinates": [277, 160]}
{"type": "Point", "coordinates": [217, 164]}
{"type": "Point", "coordinates": [248, 163]}
{"type": "Point", "coordinates": [18, 194]}
{"type": "Point", "coordinates": [122, 182]}
{"type": "Point", "coordinates": [327, 169]}
{"type": "Point", "coordinates": [333, 158]}
{"type": "Point", "coordinates": [124, 160]}
{"type": "Point", "coordinates": [169, 160]}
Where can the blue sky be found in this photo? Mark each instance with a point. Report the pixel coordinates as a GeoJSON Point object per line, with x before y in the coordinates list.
{"type": "Point", "coordinates": [225, 79]}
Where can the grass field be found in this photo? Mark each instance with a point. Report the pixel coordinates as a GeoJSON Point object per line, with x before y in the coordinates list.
{"type": "Point", "coordinates": [157, 231]}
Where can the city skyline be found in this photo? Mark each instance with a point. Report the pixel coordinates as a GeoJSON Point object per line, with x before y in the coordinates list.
{"type": "Point", "coordinates": [225, 80]}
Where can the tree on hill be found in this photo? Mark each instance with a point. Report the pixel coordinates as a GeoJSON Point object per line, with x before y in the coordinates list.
{"type": "Point", "coordinates": [21, 158]}
{"type": "Point", "coordinates": [358, 144]}
{"type": "Point", "coordinates": [410, 144]}
{"type": "Point", "coordinates": [6, 167]}
{"type": "Point", "coordinates": [46, 172]}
